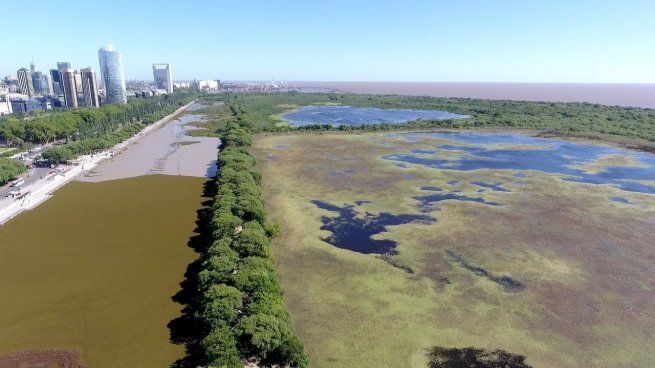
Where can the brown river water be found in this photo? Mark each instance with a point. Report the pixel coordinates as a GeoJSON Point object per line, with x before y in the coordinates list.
{"type": "Point", "coordinates": [91, 272]}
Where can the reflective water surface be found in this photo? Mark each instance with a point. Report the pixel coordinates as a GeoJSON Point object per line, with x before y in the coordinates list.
{"type": "Point", "coordinates": [350, 115]}
{"type": "Point", "coordinates": [513, 151]}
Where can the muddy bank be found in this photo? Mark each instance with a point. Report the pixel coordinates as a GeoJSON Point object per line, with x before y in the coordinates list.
{"type": "Point", "coordinates": [167, 150]}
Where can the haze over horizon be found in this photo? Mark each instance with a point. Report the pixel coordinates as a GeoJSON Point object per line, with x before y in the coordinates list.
{"type": "Point", "coordinates": [420, 41]}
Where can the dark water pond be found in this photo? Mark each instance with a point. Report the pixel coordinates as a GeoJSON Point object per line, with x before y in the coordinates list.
{"type": "Point", "coordinates": [427, 202]}
{"type": "Point", "coordinates": [544, 154]}
{"type": "Point", "coordinates": [354, 233]}
{"type": "Point", "coordinates": [350, 115]}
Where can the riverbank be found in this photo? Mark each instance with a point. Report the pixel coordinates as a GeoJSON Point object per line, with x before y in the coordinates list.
{"type": "Point", "coordinates": [38, 192]}
{"type": "Point", "coordinates": [169, 150]}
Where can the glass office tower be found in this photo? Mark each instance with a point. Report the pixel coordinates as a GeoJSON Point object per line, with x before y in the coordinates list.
{"type": "Point", "coordinates": [113, 78]}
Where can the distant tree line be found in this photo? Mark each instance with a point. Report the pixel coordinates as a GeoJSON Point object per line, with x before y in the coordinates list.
{"type": "Point", "coordinates": [578, 119]}
{"type": "Point", "coordinates": [9, 169]}
{"type": "Point", "coordinates": [242, 308]}
{"type": "Point", "coordinates": [87, 123]}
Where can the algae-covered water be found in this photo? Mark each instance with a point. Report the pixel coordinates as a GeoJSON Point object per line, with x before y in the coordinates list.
{"type": "Point", "coordinates": [397, 243]}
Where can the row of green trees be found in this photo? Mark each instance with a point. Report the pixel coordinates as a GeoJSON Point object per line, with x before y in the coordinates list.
{"type": "Point", "coordinates": [112, 137]}
{"type": "Point", "coordinates": [74, 149]}
{"type": "Point", "coordinates": [87, 122]}
{"type": "Point", "coordinates": [9, 169]}
{"type": "Point", "coordinates": [242, 306]}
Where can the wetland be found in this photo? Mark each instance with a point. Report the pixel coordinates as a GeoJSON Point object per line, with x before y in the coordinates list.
{"type": "Point", "coordinates": [395, 243]}
{"type": "Point", "coordinates": [336, 115]}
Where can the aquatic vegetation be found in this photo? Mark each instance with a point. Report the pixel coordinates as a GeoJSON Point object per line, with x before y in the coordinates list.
{"type": "Point", "coordinates": [426, 202]}
{"type": "Point", "coordinates": [508, 283]}
{"type": "Point", "coordinates": [496, 187]}
{"type": "Point", "coordinates": [562, 158]}
{"type": "Point", "coordinates": [440, 357]}
{"type": "Point", "coordinates": [349, 231]}
{"type": "Point", "coordinates": [529, 275]}
{"type": "Point", "coordinates": [350, 115]}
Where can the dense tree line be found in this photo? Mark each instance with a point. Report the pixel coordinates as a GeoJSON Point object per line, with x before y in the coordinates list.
{"type": "Point", "coordinates": [242, 307]}
{"type": "Point", "coordinates": [112, 137]}
{"type": "Point", "coordinates": [74, 149]}
{"type": "Point", "coordinates": [9, 169]}
{"type": "Point", "coordinates": [86, 123]}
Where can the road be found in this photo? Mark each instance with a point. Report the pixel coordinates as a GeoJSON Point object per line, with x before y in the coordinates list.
{"type": "Point", "coordinates": [33, 174]}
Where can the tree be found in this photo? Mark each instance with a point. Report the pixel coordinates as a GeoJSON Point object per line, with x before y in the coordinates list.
{"type": "Point", "coordinates": [220, 348]}
{"type": "Point", "coordinates": [263, 332]}
{"type": "Point", "coordinates": [222, 304]}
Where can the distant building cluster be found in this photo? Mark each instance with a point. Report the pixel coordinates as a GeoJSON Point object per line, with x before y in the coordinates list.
{"type": "Point", "coordinates": [205, 85]}
{"type": "Point", "coordinates": [67, 87]}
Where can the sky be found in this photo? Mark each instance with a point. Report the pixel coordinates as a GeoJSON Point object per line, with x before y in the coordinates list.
{"type": "Point", "coordinates": [558, 41]}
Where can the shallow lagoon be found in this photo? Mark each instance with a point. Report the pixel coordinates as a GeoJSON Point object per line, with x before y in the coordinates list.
{"type": "Point", "coordinates": [520, 152]}
{"type": "Point", "coordinates": [351, 115]}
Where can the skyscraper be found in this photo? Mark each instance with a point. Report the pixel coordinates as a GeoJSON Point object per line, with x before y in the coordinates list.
{"type": "Point", "coordinates": [68, 87]}
{"type": "Point", "coordinates": [113, 78]}
{"type": "Point", "coordinates": [25, 82]}
{"type": "Point", "coordinates": [41, 83]}
{"type": "Point", "coordinates": [163, 76]}
{"type": "Point", "coordinates": [78, 81]}
{"type": "Point", "coordinates": [56, 86]}
{"type": "Point", "coordinates": [56, 76]}
{"type": "Point", "coordinates": [89, 87]}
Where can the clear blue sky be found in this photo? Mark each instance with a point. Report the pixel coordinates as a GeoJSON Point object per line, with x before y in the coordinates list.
{"type": "Point", "coordinates": [377, 40]}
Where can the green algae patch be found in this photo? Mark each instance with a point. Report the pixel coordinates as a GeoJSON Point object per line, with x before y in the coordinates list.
{"type": "Point", "coordinates": [94, 269]}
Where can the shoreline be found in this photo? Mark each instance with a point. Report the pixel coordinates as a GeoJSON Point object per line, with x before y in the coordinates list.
{"type": "Point", "coordinates": [43, 189]}
{"type": "Point", "coordinates": [604, 140]}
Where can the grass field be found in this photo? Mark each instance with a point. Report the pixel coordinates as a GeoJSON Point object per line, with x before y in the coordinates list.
{"type": "Point", "coordinates": [581, 260]}
{"type": "Point", "coordinates": [6, 150]}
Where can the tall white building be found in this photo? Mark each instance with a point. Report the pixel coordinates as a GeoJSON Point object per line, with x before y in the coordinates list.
{"type": "Point", "coordinates": [113, 77]}
{"type": "Point", "coordinates": [163, 75]}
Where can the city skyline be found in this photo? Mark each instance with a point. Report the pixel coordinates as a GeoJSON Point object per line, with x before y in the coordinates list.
{"type": "Point", "coordinates": [476, 41]}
